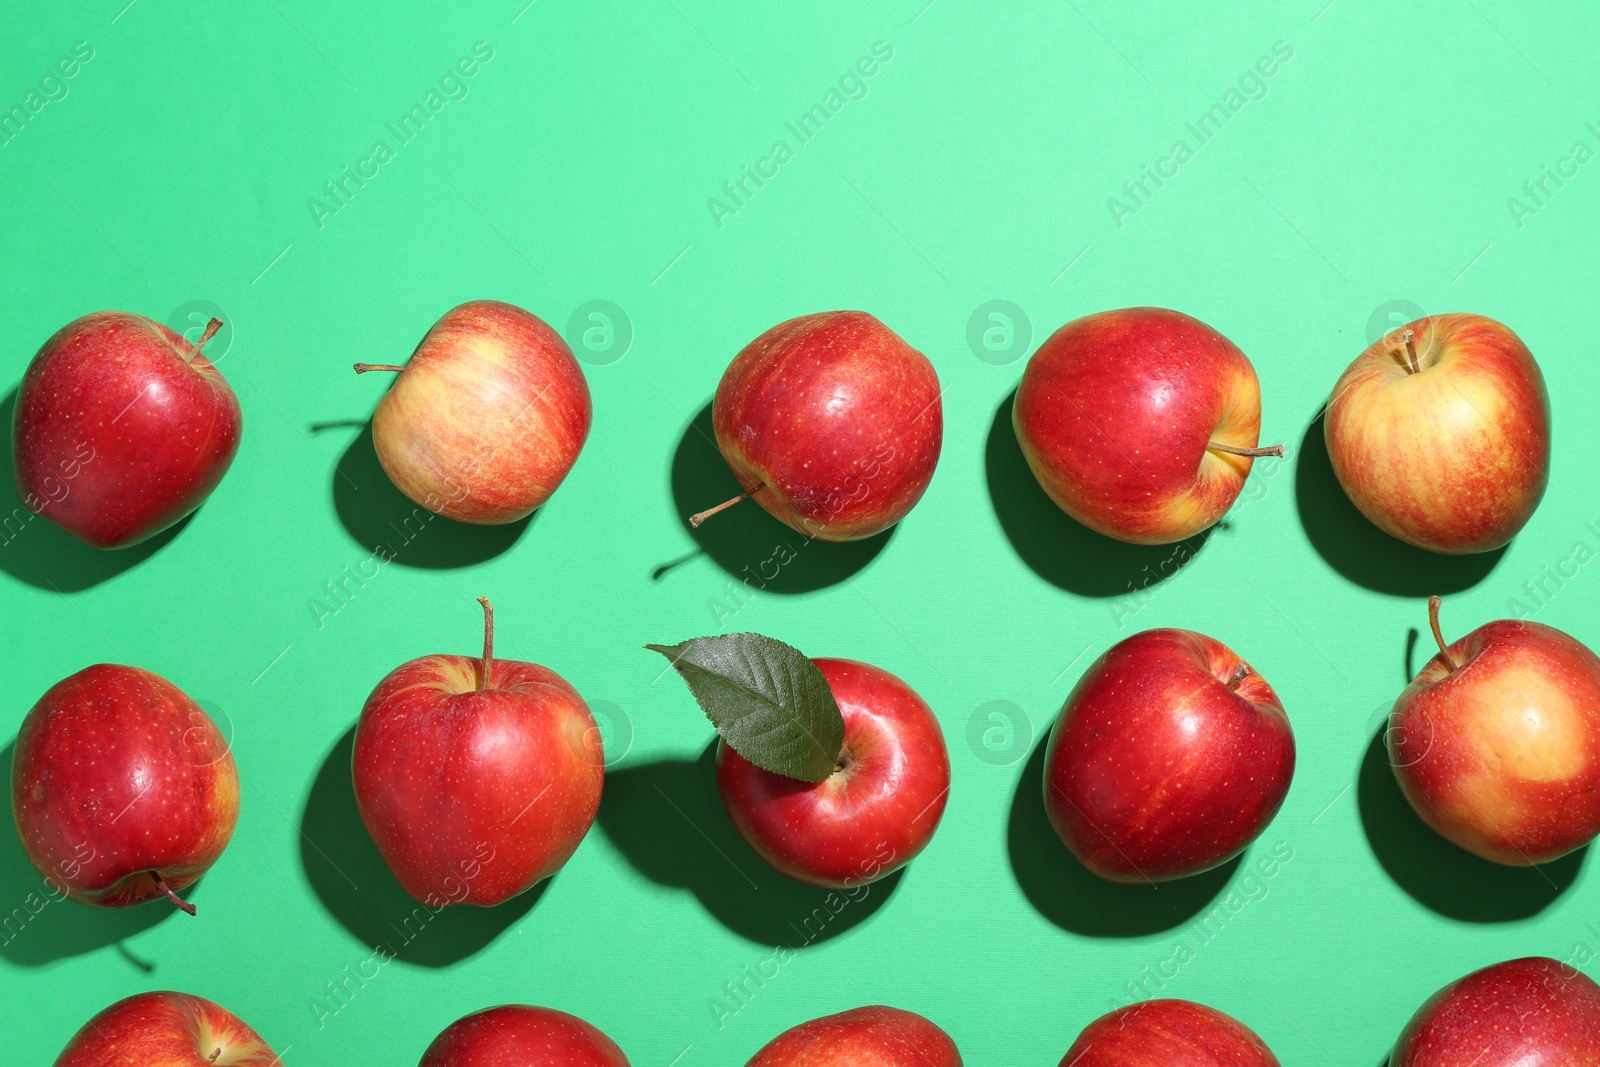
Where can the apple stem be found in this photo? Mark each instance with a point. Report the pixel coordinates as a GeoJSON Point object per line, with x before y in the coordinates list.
{"type": "Point", "coordinates": [1235, 450]}
{"type": "Point", "coordinates": [211, 331]}
{"type": "Point", "coordinates": [1433, 621]}
{"type": "Point", "coordinates": [362, 368]}
{"type": "Point", "coordinates": [1240, 673]}
{"type": "Point", "coordinates": [701, 516]}
{"type": "Point", "coordinates": [181, 904]}
{"type": "Point", "coordinates": [488, 643]}
{"type": "Point", "coordinates": [1408, 348]}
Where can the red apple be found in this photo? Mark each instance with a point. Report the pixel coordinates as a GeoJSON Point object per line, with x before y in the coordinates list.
{"type": "Point", "coordinates": [871, 816]}
{"type": "Point", "coordinates": [516, 1035]}
{"type": "Point", "coordinates": [1496, 742]}
{"type": "Point", "coordinates": [1170, 756]}
{"type": "Point", "coordinates": [1440, 433]}
{"type": "Point", "coordinates": [166, 1030]}
{"type": "Point", "coordinates": [1531, 1012]}
{"type": "Point", "coordinates": [486, 419]}
{"type": "Point", "coordinates": [1141, 424]}
{"type": "Point", "coordinates": [865, 1037]}
{"type": "Point", "coordinates": [1168, 1033]}
{"type": "Point", "coordinates": [121, 428]}
{"type": "Point", "coordinates": [832, 423]}
{"type": "Point", "coordinates": [123, 790]}
{"type": "Point", "coordinates": [477, 778]}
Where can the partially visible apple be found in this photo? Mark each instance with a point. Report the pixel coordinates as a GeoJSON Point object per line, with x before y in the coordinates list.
{"type": "Point", "coordinates": [832, 423]}
{"type": "Point", "coordinates": [875, 813]}
{"type": "Point", "coordinates": [1142, 424]}
{"type": "Point", "coordinates": [1169, 1033]}
{"type": "Point", "coordinates": [121, 428]}
{"type": "Point", "coordinates": [1440, 433]}
{"type": "Point", "coordinates": [516, 1035]}
{"type": "Point", "coordinates": [1496, 743]}
{"type": "Point", "coordinates": [122, 789]}
{"type": "Point", "coordinates": [1531, 1012]}
{"type": "Point", "coordinates": [166, 1030]}
{"type": "Point", "coordinates": [1169, 757]}
{"type": "Point", "coordinates": [477, 778]}
{"type": "Point", "coordinates": [864, 1037]}
{"type": "Point", "coordinates": [486, 419]}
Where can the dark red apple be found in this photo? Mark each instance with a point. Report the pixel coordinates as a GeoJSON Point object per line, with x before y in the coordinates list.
{"type": "Point", "coordinates": [1168, 1033]}
{"type": "Point", "coordinates": [1141, 424]}
{"type": "Point", "coordinates": [123, 790]}
{"type": "Point", "coordinates": [166, 1030]}
{"type": "Point", "coordinates": [874, 813]}
{"type": "Point", "coordinates": [121, 428]}
{"type": "Point", "coordinates": [832, 423]}
{"type": "Point", "coordinates": [1170, 756]}
{"type": "Point", "coordinates": [1496, 743]}
{"type": "Point", "coordinates": [516, 1035]}
{"type": "Point", "coordinates": [1522, 1013]}
{"type": "Point", "coordinates": [477, 778]}
{"type": "Point", "coordinates": [865, 1037]}
{"type": "Point", "coordinates": [487, 418]}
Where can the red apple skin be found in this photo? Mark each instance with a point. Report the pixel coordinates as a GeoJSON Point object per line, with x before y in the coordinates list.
{"type": "Point", "coordinates": [166, 1029]}
{"type": "Point", "coordinates": [474, 796]}
{"type": "Point", "coordinates": [1453, 458]}
{"type": "Point", "coordinates": [832, 422]}
{"type": "Point", "coordinates": [116, 774]}
{"type": "Point", "coordinates": [1531, 1012]}
{"type": "Point", "coordinates": [1156, 769]}
{"type": "Point", "coordinates": [1115, 416]}
{"type": "Point", "coordinates": [121, 428]}
{"type": "Point", "coordinates": [1502, 755]}
{"type": "Point", "coordinates": [865, 1037]}
{"type": "Point", "coordinates": [1168, 1033]}
{"type": "Point", "coordinates": [516, 1035]}
{"type": "Point", "coordinates": [866, 820]}
{"type": "Point", "coordinates": [487, 418]}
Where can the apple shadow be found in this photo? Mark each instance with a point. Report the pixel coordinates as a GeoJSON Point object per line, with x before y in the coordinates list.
{"type": "Point", "coordinates": [37, 551]}
{"type": "Point", "coordinates": [1359, 550]}
{"type": "Point", "coordinates": [1079, 901]}
{"type": "Point", "coordinates": [383, 519]}
{"type": "Point", "coordinates": [1057, 547]}
{"type": "Point", "coordinates": [1437, 874]}
{"type": "Point", "coordinates": [745, 541]}
{"type": "Point", "coordinates": [353, 882]}
{"type": "Point", "coordinates": [698, 849]}
{"type": "Point", "coordinates": [41, 927]}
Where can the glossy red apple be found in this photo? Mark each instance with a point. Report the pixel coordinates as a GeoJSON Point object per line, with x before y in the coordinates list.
{"type": "Point", "coordinates": [121, 428]}
{"type": "Point", "coordinates": [477, 778]}
{"type": "Point", "coordinates": [516, 1035]}
{"type": "Point", "coordinates": [1531, 1012]}
{"type": "Point", "coordinates": [1496, 742]}
{"type": "Point", "coordinates": [1168, 1033]}
{"type": "Point", "coordinates": [486, 419]}
{"type": "Point", "coordinates": [1170, 756]}
{"type": "Point", "coordinates": [871, 816]}
{"type": "Point", "coordinates": [865, 1037]}
{"type": "Point", "coordinates": [122, 789]}
{"type": "Point", "coordinates": [832, 423]}
{"type": "Point", "coordinates": [1440, 433]}
{"type": "Point", "coordinates": [166, 1030]}
{"type": "Point", "coordinates": [1141, 424]}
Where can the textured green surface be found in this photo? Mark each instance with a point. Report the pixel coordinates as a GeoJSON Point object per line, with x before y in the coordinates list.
{"type": "Point", "coordinates": [1376, 168]}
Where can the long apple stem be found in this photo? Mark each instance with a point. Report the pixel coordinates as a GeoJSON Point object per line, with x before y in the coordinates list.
{"type": "Point", "coordinates": [181, 904]}
{"type": "Point", "coordinates": [1235, 450]}
{"type": "Point", "coordinates": [1438, 635]}
{"type": "Point", "coordinates": [1408, 348]}
{"type": "Point", "coordinates": [1240, 673]}
{"type": "Point", "coordinates": [211, 331]}
{"type": "Point", "coordinates": [488, 643]}
{"type": "Point", "coordinates": [362, 368]}
{"type": "Point", "coordinates": [701, 516]}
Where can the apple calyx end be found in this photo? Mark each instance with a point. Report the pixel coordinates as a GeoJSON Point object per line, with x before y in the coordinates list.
{"type": "Point", "coordinates": [362, 368]}
{"type": "Point", "coordinates": [486, 670]}
{"type": "Point", "coordinates": [177, 901]}
{"type": "Point", "coordinates": [701, 516]}
{"type": "Point", "coordinates": [1434, 603]}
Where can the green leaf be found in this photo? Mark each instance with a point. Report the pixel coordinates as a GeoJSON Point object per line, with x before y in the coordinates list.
{"type": "Point", "coordinates": [766, 699]}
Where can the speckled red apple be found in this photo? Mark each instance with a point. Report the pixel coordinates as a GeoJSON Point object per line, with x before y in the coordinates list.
{"type": "Point", "coordinates": [165, 1029]}
{"type": "Point", "coordinates": [1168, 1033]}
{"type": "Point", "coordinates": [865, 1037]}
{"type": "Point", "coordinates": [517, 1035]}
{"type": "Point", "coordinates": [1522, 1013]}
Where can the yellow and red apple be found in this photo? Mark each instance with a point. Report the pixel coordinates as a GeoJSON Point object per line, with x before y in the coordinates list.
{"type": "Point", "coordinates": [165, 1029]}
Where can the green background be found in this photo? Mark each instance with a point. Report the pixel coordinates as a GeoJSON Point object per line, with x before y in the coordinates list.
{"type": "Point", "coordinates": [1373, 176]}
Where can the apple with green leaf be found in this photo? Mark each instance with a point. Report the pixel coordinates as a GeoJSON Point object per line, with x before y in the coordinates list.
{"type": "Point", "coordinates": [865, 1037]}
{"type": "Point", "coordinates": [835, 772]}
